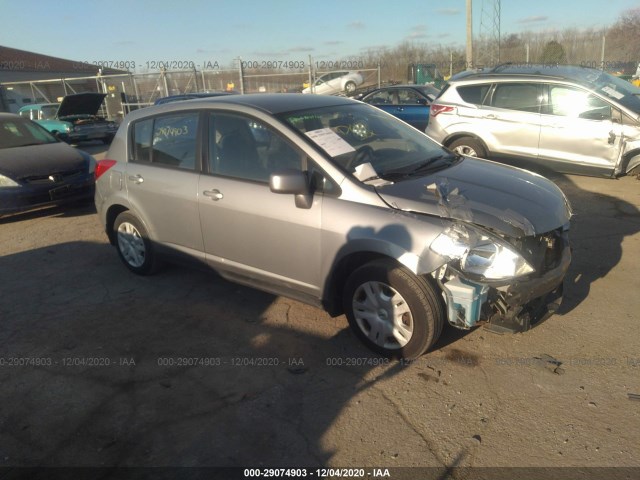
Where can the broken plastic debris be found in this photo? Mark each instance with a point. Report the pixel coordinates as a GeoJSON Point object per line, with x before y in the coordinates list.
{"type": "Point", "coordinates": [518, 221]}
{"type": "Point", "coordinates": [549, 363]}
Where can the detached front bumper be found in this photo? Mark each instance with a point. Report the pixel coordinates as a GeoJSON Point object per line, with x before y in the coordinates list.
{"type": "Point", "coordinates": [510, 307]}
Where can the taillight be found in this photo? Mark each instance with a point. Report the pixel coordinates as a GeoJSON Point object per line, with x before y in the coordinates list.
{"type": "Point", "coordinates": [437, 109]}
{"type": "Point", "coordinates": [102, 166]}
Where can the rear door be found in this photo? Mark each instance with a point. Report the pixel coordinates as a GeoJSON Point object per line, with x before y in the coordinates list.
{"type": "Point", "coordinates": [580, 128]}
{"type": "Point", "coordinates": [510, 120]}
{"type": "Point", "coordinates": [162, 178]}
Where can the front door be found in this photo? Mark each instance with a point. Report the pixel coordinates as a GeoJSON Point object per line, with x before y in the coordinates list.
{"type": "Point", "coordinates": [580, 128]}
{"type": "Point", "coordinates": [252, 234]}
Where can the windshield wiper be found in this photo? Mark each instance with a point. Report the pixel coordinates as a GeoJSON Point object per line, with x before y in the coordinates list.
{"type": "Point", "coordinates": [430, 164]}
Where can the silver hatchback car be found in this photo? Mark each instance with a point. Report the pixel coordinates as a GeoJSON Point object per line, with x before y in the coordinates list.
{"type": "Point", "coordinates": [338, 204]}
{"type": "Point", "coordinates": [569, 118]}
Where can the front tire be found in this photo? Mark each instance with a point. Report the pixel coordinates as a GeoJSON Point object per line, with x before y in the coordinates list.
{"type": "Point", "coordinates": [349, 87]}
{"type": "Point", "coordinates": [469, 147]}
{"type": "Point", "coordinates": [393, 311]}
{"type": "Point", "coordinates": [134, 247]}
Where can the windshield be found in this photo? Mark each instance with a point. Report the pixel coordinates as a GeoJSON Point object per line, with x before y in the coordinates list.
{"type": "Point", "coordinates": [620, 90]}
{"type": "Point", "coordinates": [49, 111]}
{"type": "Point", "coordinates": [18, 132]}
{"type": "Point", "coordinates": [367, 142]}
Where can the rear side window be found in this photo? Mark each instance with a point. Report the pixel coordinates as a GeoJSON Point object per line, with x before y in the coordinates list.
{"type": "Point", "coordinates": [169, 140]}
{"type": "Point", "coordinates": [517, 96]}
{"type": "Point", "coordinates": [142, 140]}
{"type": "Point", "coordinates": [473, 94]}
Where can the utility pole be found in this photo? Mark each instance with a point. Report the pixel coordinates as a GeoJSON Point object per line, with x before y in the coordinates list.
{"type": "Point", "coordinates": [469, 36]}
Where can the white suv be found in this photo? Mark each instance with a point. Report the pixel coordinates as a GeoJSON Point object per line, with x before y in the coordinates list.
{"type": "Point", "coordinates": [573, 119]}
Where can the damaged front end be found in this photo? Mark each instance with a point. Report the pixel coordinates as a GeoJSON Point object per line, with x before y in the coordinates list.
{"type": "Point", "coordinates": [510, 283]}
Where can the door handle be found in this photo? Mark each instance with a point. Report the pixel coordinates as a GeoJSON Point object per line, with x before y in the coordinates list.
{"type": "Point", "coordinates": [214, 195]}
{"type": "Point", "coordinates": [136, 179]}
{"type": "Point", "coordinates": [490, 117]}
{"type": "Point", "coordinates": [612, 137]}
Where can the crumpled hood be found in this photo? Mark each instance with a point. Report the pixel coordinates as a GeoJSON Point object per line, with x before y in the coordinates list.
{"type": "Point", "coordinates": [509, 200]}
{"type": "Point", "coordinates": [81, 104]}
{"type": "Point", "coordinates": [40, 160]}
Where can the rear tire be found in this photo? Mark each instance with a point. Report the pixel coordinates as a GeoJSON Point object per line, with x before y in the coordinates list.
{"type": "Point", "coordinates": [134, 247]}
{"type": "Point", "coordinates": [469, 147]}
{"type": "Point", "coordinates": [392, 311]}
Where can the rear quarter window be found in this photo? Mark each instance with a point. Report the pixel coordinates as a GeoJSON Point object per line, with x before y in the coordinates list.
{"type": "Point", "coordinates": [474, 94]}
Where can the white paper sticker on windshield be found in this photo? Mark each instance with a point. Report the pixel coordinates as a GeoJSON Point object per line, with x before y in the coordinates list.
{"type": "Point", "coordinates": [612, 93]}
{"type": "Point", "coordinates": [330, 141]}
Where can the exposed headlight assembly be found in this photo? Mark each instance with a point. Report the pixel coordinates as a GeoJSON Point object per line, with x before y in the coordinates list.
{"type": "Point", "coordinates": [7, 182]}
{"type": "Point", "coordinates": [480, 253]}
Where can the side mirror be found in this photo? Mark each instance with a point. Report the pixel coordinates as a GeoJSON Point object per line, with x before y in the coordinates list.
{"type": "Point", "coordinates": [294, 182]}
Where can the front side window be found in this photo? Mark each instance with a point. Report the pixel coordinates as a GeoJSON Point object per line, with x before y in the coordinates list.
{"type": "Point", "coordinates": [245, 148]}
{"type": "Point", "coordinates": [408, 97]}
{"type": "Point", "coordinates": [572, 102]}
{"type": "Point", "coordinates": [385, 97]}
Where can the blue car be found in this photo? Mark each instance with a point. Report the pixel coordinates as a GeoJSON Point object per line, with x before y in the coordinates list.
{"type": "Point", "coordinates": [409, 103]}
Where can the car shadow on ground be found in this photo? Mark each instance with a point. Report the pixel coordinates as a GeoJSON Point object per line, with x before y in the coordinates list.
{"type": "Point", "coordinates": [75, 209]}
{"type": "Point", "coordinates": [178, 369]}
{"type": "Point", "coordinates": [599, 226]}
{"type": "Point", "coordinates": [186, 369]}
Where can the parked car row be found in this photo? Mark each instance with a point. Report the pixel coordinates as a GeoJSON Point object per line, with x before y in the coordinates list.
{"type": "Point", "coordinates": [73, 120]}
{"type": "Point", "coordinates": [338, 204]}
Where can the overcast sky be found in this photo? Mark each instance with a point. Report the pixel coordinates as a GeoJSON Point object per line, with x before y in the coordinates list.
{"type": "Point", "coordinates": [202, 31]}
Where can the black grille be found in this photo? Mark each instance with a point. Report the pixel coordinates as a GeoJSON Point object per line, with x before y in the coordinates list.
{"type": "Point", "coordinates": [53, 178]}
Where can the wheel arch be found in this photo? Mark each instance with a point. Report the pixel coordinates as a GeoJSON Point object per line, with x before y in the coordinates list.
{"type": "Point", "coordinates": [458, 135]}
{"type": "Point", "coordinates": [630, 161]}
{"type": "Point", "coordinates": [342, 268]}
{"type": "Point", "coordinates": [337, 279]}
{"type": "Point", "coordinates": [112, 214]}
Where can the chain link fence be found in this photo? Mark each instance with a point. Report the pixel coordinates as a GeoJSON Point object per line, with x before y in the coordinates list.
{"type": "Point", "coordinates": [131, 91]}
